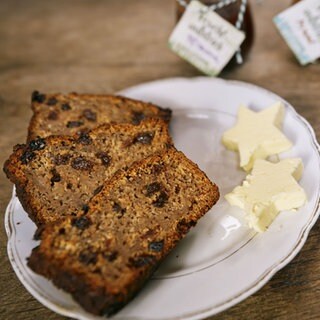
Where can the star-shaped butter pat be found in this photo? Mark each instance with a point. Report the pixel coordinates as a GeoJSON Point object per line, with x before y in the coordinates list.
{"type": "Point", "coordinates": [257, 135]}
{"type": "Point", "coordinates": [269, 189]}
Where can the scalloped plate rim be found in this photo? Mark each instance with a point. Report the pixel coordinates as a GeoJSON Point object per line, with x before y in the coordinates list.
{"type": "Point", "coordinates": [252, 288]}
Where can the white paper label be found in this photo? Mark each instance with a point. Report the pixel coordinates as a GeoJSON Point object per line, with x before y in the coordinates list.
{"type": "Point", "coordinates": [300, 27]}
{"type": "Point", "coordinates": [205, 39]}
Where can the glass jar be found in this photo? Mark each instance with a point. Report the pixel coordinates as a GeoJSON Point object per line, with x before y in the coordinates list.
{"type": "Point", "coordinates": [295, 2]}
{"type": "Point", "coordinates": [230, 13]}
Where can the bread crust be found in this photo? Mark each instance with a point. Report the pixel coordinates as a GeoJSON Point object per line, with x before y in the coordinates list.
{"type": "Point", "coordinates": [86, 111]}
{"type": "Point", "coordinates": [99, 294]}
{"type": "Point", "coordinates": [103, 251]}
{"type": "Point", "coordinates": [41, 166]}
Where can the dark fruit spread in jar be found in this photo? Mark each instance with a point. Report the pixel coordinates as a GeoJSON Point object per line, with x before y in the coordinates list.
{"type": "Point", "coordinates": [230, 12]}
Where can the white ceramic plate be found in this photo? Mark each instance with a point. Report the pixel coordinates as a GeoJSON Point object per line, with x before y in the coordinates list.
{"type": "Point", "coordinates": [221, 261]}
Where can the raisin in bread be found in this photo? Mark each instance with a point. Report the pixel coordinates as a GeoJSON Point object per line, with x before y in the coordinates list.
{"type": "Point", "coordinates": [58, 114]}
{"type": "Point", "coordinates": [106, 255]}
{"type": "Point", "coordinates": [57, 175]}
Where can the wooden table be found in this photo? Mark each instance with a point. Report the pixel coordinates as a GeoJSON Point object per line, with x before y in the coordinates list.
{"type": "Point", "coordinates": [103, 46]}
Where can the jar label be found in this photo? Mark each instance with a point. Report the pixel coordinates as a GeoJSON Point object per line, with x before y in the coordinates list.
{"type": "Point", "coordinates": [300, 27]}
{"type": "Point", "coordinates": [205, 39]}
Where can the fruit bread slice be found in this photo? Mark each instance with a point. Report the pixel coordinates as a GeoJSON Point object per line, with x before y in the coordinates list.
{"type": "Point", "coordinates": [58, 114]}
{"type": "Point", "coordinates": [105, 256]}
{"type": "Point", "coordinates": [57, 175]}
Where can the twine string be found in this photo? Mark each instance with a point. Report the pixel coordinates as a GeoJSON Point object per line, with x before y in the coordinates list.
{"type": "Point", "coordinates": [219, 5]}
{"type": "Point", "coordinates": [242, 11]}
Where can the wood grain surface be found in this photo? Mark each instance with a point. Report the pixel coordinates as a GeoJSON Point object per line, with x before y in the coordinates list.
{"type": "Point", "coordinates": [103, 46]}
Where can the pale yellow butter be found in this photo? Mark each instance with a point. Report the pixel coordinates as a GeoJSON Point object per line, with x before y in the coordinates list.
{"type": "Point", "coordinates": [269, 189]}
{"type": "Point", "coordinates": [257, 135]}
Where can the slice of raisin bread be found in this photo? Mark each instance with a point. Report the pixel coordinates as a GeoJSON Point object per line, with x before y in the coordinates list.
{"type": "Point", "coordinates": [106, 255]}
{"type": "Point", "coordinates": [58, 114]}
{"type": "Point", "coordinates": [57, 175]}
